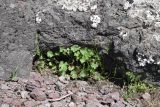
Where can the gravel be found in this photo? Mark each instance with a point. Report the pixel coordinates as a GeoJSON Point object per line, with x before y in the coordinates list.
{"type": "Point", "coordinates": [73, 93]}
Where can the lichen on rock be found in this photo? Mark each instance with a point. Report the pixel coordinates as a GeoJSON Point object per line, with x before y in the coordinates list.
{"type": "Point", "coordinates": [76, 5]}
{"type": "Point", "coordinates": [95, 20]}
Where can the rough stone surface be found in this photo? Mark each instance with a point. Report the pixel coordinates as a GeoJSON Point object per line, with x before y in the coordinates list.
{"type": "Point", "coordinates": [17, 32]}
{"type": "Point", "coordinates": [57, 104]}
{"type": "Point", "coordinates": [118, 104]}
{"type": "Point", "coordinates": [146, 96]}
{"type": "Point", "coordinates": [71, 104]}
{"type": "Point", "coordinates": [4, 87]}
{"type": "Point", "coordinates": [24, 94]}
{"type": "Point", "coordinates": [4, 105]}
{"type": "Point", "coordinates": [115, 96]}
{"type": "Point", "coordinates": [93, 104]}
{"type": "Point", "coordinates": [129, 27]}
{"type": "Point", "coordinates": [52, 95]}
{"type": "Point", "coordinates": [29, 104]}
{"type": "Point", "coordinates": [38, 95]}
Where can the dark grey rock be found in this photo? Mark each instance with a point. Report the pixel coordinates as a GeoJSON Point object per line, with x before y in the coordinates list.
{"type": "Point", "coordinates": [134, 38]}
{"type": "Point", "coordinates": [131, 31]}
{"type": "Point", "coordinates": [17, 33]}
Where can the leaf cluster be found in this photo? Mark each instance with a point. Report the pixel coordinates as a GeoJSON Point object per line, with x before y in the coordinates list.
{"type": "Point", "coordinates": [75, 61]}
{"type": "Point", "coordinates": [135, 85]}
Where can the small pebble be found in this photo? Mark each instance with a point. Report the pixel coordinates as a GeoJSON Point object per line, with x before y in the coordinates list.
{"type": "Point", "coordinates": [146, 96]}
{"type": "Point", "coordinates": [4, 105]}
{"type": "Point", "coordinates": [4, 87]}
{"type": "Point", "coordinates": [24, 94]}
{"type": "Point", "coordinates": [38, 95]}
{"type": "Point", "coordinates": [72, 104]}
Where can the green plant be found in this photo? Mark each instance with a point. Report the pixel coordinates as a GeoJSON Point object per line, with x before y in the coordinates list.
{"type": "Point", "coordinates": [39, 55]}
{"type": "Point", "coordinates": [136, 88]}
{"type": "Point", "coordinates": [75, 61]}
{"type": "Point", "coordinates": [132, 77]}
{"type": "Point", "coordinates": [135, 85]}
{"type": "Point", "coordinates": [13, 76]}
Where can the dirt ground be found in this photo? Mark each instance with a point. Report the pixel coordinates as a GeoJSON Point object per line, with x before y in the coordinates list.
{"type": "Point", "coordinates": [53, 91]}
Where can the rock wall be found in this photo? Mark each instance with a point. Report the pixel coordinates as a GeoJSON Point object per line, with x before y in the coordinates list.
{"type": "Point", "coordinates": [17, 32]}
{"type": "Point", "coordinates": [131, 26]}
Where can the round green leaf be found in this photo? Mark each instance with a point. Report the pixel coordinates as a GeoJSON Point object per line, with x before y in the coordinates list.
{"type": "Point", "coordinates": [50, 54]}
{"type": "Point", "coordinates": [74, 75]}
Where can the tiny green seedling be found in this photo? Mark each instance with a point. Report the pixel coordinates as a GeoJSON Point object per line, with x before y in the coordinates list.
{"type": "Point", "coordinates": [13, 76]}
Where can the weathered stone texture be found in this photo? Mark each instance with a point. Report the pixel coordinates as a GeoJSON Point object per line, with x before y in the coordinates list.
{"type": "Point", "coordinates": [131, 26]}
{"type": "Point", "coordinates": [17, 32]}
